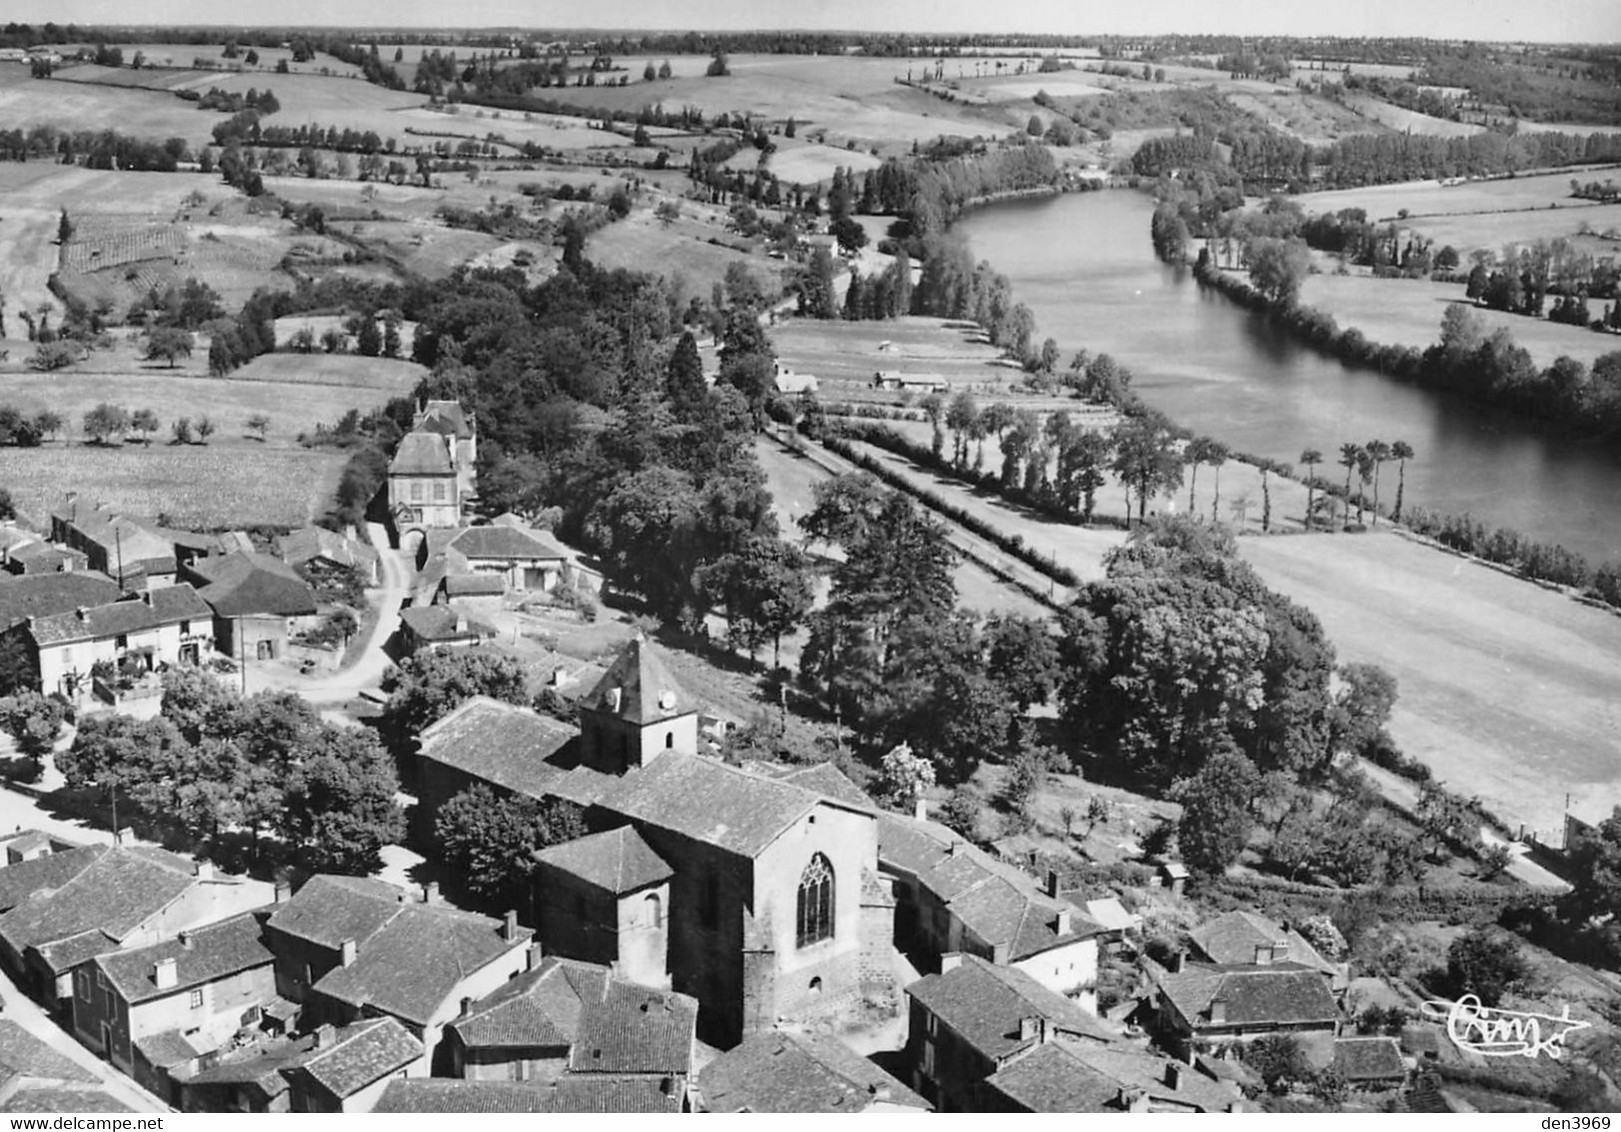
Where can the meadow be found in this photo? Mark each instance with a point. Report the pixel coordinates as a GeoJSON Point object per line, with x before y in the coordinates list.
{"type": "Point", "coordinates": [1409, 121]}
{"type": "Point", "coordinates": [1507, 689]}
{"type": "Point", "coordinates": [1407, 312]}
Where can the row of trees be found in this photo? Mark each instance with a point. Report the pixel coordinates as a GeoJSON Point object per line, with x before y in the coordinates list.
{"type": "Point", "coordinates": [106, 421]}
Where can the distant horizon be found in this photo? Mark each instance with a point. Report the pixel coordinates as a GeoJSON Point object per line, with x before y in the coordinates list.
{"type": "Point", "coordinates": [1585, 22]}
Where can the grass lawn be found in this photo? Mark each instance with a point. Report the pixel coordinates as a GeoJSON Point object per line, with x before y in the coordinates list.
{"type": "Point", "coordinates": [1408, 312]}
{"type": "Point", "coordinates": [26, 101]}
{"type": "Point", "coordinates": [853, 351]}
{"type": "Point", "coordinates": [1507, 689]}
{"type": "Point", "coordinates": [1409, 121]}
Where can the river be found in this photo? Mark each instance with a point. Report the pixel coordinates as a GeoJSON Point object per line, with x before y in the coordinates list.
{"type": "Point", "coordinates": [1083, 264]}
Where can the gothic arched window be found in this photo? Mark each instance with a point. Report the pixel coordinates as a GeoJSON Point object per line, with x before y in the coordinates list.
{"type": "Point", "coordinates": [815, 919]}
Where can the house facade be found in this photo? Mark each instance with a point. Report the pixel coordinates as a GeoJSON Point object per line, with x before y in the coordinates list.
{"type": "Point", "coordinates": [136, 634]}
{"type": "Point", "coordinates": [431, 480]}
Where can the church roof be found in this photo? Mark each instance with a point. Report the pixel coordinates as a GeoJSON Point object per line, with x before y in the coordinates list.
{"type": "Point", "coordinates": [507, 746]}
{"type": "Point", "coordinates": [639, 687]}
{"type": "Point", "coordinates": [709, 801]}
{"type": "Point", "coordinates": [618, 860]}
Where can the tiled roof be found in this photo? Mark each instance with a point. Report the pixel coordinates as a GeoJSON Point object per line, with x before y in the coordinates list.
{"type": "Point", "coordinates": [240, 585]}
{"type": "Point", "coordinates": [331, 909]}
{"type": "Point", "coordinates": [24, 1055]}
{"type": "Point", "coordinates": [710, 802]}
{"type": "Point", "coordinates": [65, 1100]}
{"type": "Point", "coordinates": [639, 687]}
{"type": "Point", "coordinates": [111, 897]}
{"type": "Point", "coordinates": [359, 1055]}
{"type": "Point", "coordinates": [43, 557]}
{"type": "Point", "coordinates": [617, 860]}
{"type": "Point", "coordinates": [505, 542]}
{"type": "Point", "coordinates": [210, 953]}
{"type": "Point", "coordinates": [985, 1005]}
{"type": "Point", "coordinates": [438, 623]}
{"type": "Point", "coordinates": [444, 417]}
{"type": "Point", "coordinates": [635, 1029]}
{"type": "Point", "coordinates": [1139, 1069]}
{"type": "Point", "coordinates": [12, 536]}
{"type": "Point", "coordinates": [539, 1008]}
{"type": "Point", "coordinates": [18, 881]}
{"type": "Point", "coordinates": [44, 595]}
{"type": "Point", "coordinates": [309, 543]}
{"type": "Point", "coordinates": [1110, 914]}
{"type": "Point", "coordinates": [413, 964]}
{"type": "Point", "coordinates": [827, 779]}
{"type": "Point", "coordinates": [120, 536]}
{"type": "Point", "coordinates": [167, 1048]}
{"type": "Point", "coordinates": [1231, 939]}
{"type": "Point", "coordinates": [433, 1094]}
{"type": "Point", "coordinates": [509, 746]}
{"type": "Point", "coordinates": [616, 1092]}
{"type": "Point", "coordinates": [152, 609]}
{"type": "Point", "coordinates": [421, 454]}
{"type": "Point", "coordinates": [781, 1072]}
{"type": "Point", "coordinates": [1051, 1079]}
{"type": "Point", "coordinates": [1368, 1059]}
{"type": "Point", "coordinates": [1253, 996]}
{"type": "Point", "coordinates": [262, 1068]}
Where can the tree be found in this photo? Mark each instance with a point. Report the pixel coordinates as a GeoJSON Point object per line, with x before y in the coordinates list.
{"type": "Point", "coordinates": [1279, 267]}
{"type": "Point", "coordinates": [849, 233]}
{"type": "Point", "coordinates": [49, 422]}
{"type": "Point", "coordinates": [368, 339]}
{"type": "Point", "coordinates": [960, 419]}
{"type": "Point", "coordinates": [1216, 819]}
{"type": "Point", "coordinates": [664, 69]}
{"type": "Point", "coordinates": [205, 429]}
{"type": "Point", "coordinates": [1351, 457]}
{"type": "Point", "coordinates": [1377, 453]}
{"type": "Point", "coordinates": [169, 343]}
{"type": "Point", "coordinates": [1595, 871]}
{"type": "Point", "coordinates": [258, 423]}
{"type": "Point", "coordinates": [904, 776]}
{"type": "Point", "coordinates": [1034, 127]}
{"type": "Point", "coordinates": [649, 72]}
{"type": "Point", "coordinates": [1362, 707]}
{"type": "Point", "coordinates": [145, 422]}
{"type": "Point", "coordinates": [667, 212]}
{"type": "Point", "coordinates": [961, 810]}
{"type": "Point", "coordinates": [339, 809]}
{"type": "Point", "coordinates": [491, 838]}
{"type": "Point", "coordinates": [1486, 962]}
{"type": "Point", "coordinates": [1401, 452]}
{"type": "Point", "coordinates": [766, 588]}
{"type": "Point", "coordinates": [33, 721]}
{"type": "Point", "coordinates": [718, 67]}
{"type": "Point", "coordinates": [1281, 1061]}
{"type": "Point", "coordinates": [1146, 460]}
{"type": "Point", "coordinates": [52, 356]}
{"type": "Point", "coordinates": [1195, 454]}
{"type": "Point", "coordinates": [104, 422]}
{"type": "Point", "coordinates": [816, 286]}
{"type": "Point", "coordinates": [181, 430]}
{"type": "Point", "coordinates": [1310, 458]}
{"type": "Point", "coordinates": [1216, 454]}
{"type": "Point", "coordinates": [429, 685]}
{"type": "Point", "coordinates": [64, 228]}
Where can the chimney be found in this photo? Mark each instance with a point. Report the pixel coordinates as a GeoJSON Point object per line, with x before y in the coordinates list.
{"type": "Point", "coordinates": [1062, 926]}
{"type": "Point", "coordinates": [1263, 954]}
{"type": "Point", "coordinates": [1218, 1011]}
{"type": "Point", "coordinates": [430, 892]}
{"type": "Point", "coordinates": [878, 1092]}
{"type": "Point", "coordinates": [125, 836]}
{"type": "Point", "coordinates": [325, 1035]}
{"type": "Point", "coordinates": [1175, 965]}
{"type": "Point", "coordinates": [205, 870]}
{"type": "Point", "coordinates": [557, 676]}
{"type": "Point", "coordinates": [284, 892]}
{"type": "Point", "coordinates": [951, 848]}
{"type": "Point", "coordinates": [81, 611]}
{"type": "Point", "coordinates": [461, 623]}
{"type": "Point", "coordinates": [1280, 951]}
{"type": "Point", "coordinates": [1052, 883]}
{"type": "Point", "coordinates": [950, 962]}
{"type": "Point", "coordinates": [403, 896]}
{"type": "Point", "coordinates": [533, 957]}
{"type": "Point", "coordinates": [667, 1086]}
{"type": "Point", "coordinates": [350, 952]}
{"type": "Point", "coordinates": [187, 941]}
{"type": "Point", "coordinates": [467, 1006]}
{"type": "Point", "coordinates": [509, 926]}
{"type": "Point", "coordinates": [1029, 1027]}
{"type": "Point", "coordinates": [920, 808]}
{"type": "Point", "coordinates": [164, 974]}
{"type": "Point", "coordinates": [1173, 1076]}
{"type": "Point", "coordinates": [146, 598]}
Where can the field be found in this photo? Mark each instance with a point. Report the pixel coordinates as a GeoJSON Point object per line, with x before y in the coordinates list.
{"type": "Point", "coordinates": [1409, 121]}
{"type": "Point", "coordinates": [27, 102]}
{"type": "Point", "coordinates": [1507, 689]}
{"type": "Point", "coordinates": [1407, 312]}
{"type": "Point", "coordinates": [1424, 199]}
{"type": "Point", "coordinates": [849, 353]}
{"type": "Point", "coordinates": [234, 480]}
{"type": "Point", "coordinates": [640, 242]}
{"type": "Point", "coordinates": [1309, 117]}
{"type": "Point", "coordinates": [184, 55]}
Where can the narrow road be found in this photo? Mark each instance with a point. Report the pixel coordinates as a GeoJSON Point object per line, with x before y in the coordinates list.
{"type": "Point", "coordinates": [339, 687]}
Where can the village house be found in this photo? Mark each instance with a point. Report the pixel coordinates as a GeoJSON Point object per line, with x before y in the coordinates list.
{"type": "Point", "coordinates": [257, 602]}
{"type": "Point", "coordinates": [120, 897]}
{"type": "Point", "coordinates": [135, 635]}
{"type": "Point", "coordinates": [245, 1081]}
{"type": "Point", "coordinates": [41, 595]}
{"type": "Point", "coordinates": [440, 627]}
{"type": "Point", "coordinates": [316, 549]}
{"type": "Point", "coordinates": [1197, 1008]}
{"type": "Point", "coordinates": [431, 479]}
{"type": "Point", "coordinates": [348, 948]}
{"type": "Point", "coordinates": [191, 992]}
{"type": "Point", "coordinates": [1372, 1063]}
{"type": "Point", "coordinates": [974, 1018]}
{"type": "Point", "coordinates": [449, 1095]}
{"type": "Point", "coordinates": [349, 1067]}
{"type": "Point", "coordinates": [127, 550]}
{"type": "Point", "coordinates": [1064, 1078]}
{"type": "Point", "coordinates": [777, 1071]}
{"type": "Point", "coordinates": [572, 1093]}
{"type": "Point", "coordinates": [951, 896]}
{"type": "Point", "coordinates": [909, 382]}
{"type": "Point", "coordinates": [768, 915]}
{"type": "Point", "coordinates": [1239, 938]}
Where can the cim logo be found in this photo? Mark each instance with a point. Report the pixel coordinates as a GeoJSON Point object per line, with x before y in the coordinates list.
{"type": "Point", "coordinates": [1502, 1033]}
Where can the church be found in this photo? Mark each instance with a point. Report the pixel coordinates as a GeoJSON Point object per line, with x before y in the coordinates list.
{"type": "Point", "coordinates": [754, 890]}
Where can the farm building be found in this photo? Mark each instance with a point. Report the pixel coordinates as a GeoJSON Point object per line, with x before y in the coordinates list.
{"type": "Point", "coordinates": [909, 382]}
{"type": "Point", "coordinates": [790, 382]}
{"type": "Point", "coordinates": [258, 602]}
